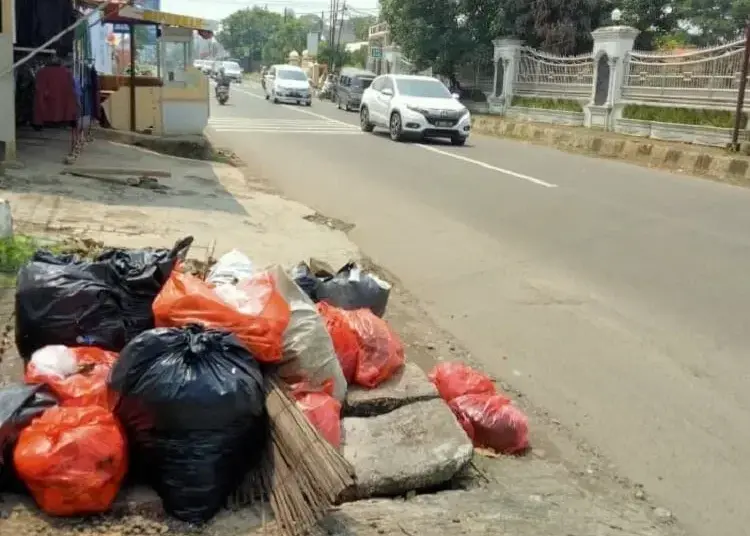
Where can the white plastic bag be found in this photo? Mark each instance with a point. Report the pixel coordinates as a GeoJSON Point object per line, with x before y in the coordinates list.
{"type": "Point", "coordinates": [308, 349]}
{"type": "Point", "coordinates": [230, 268]}
{"type": "Point", "coordinates": [57, 360]}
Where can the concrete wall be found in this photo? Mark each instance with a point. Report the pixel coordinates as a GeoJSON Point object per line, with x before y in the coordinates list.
{"type": "Point", "coordinates": [7, 85]}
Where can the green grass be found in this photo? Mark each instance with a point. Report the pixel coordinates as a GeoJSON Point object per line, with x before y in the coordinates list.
{"type": "Point", "coordinates": [561, 105]}
{"type": "Point", "coordinates": [683, 116]}
{"type": "Point", "coordinates": [17, 250]}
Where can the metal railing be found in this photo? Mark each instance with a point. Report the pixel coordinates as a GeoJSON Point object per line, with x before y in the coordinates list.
{"type": "Point", "coordinates": [704, 77]}
{"type": "Point", "coordinates": [547, 75]}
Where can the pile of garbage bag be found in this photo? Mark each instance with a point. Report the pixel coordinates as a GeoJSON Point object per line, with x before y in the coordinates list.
{"type": "Point", "coordinates": [488, 418]}
{"type": "Point", "coordinates": [133, 366]}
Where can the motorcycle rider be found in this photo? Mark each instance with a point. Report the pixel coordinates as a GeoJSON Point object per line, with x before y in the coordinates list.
{"type": "Point", "coordinates": [222, 80]}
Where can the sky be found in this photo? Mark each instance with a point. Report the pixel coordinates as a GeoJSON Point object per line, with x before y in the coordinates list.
{"type": "Point", "coordinates": [219, 9]}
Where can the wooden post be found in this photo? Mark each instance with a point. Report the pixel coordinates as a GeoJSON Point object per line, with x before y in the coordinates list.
{"type": "Point", "coordinates": [132, 77]}
{"type": "Point", "coordinates": [741, 95]}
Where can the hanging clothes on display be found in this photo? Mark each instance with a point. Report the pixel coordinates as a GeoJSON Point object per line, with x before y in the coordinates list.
{"type": "Point", "coordinates": [37, 21]}
{"type": "Point", "coordinates": [55, 99]}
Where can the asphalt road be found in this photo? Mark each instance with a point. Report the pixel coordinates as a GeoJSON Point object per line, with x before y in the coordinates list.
{"type": "Point", "coordinates": [614, 296]}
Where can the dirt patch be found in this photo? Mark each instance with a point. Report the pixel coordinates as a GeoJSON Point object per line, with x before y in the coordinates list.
{"type": "Point", "coordinates": [331, 223]}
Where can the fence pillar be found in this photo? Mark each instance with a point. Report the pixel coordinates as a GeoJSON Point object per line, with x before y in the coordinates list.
{"type": "Point", "coordinates": [505, 61]}
{"type": "Point", "coordinates": [611, 46]}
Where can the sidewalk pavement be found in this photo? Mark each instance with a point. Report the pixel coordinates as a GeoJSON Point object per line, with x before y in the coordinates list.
{"type": "Point", "coordinates": [710, 162]}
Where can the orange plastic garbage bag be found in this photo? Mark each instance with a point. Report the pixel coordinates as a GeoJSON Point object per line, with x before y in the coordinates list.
{"type": "Point", "coordinates": [381, 353]}
{"type": "Point", "coordinates": [457, 379]}
{"type": "Point", "coordinates": [492, 422]}
{"type": "Point", "coordinates": [87, 386]}
{"type": "Point", "coordinates": [345, 342]}
{"type": "Point", "coordinates": [321, 409]}
{"type": "Point", "coordinates": [253, 310]}
{"type": "Point", "coordinates": [72, 459]}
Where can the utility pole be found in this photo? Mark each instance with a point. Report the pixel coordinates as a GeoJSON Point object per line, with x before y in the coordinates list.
{"type": "Point", "coordinates": [741, 94]}
{"type": "Point", "coordinates": [337, 47]}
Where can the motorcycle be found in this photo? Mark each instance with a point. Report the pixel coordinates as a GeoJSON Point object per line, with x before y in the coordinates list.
{"type": "Point", "coordinates": [222, 94]}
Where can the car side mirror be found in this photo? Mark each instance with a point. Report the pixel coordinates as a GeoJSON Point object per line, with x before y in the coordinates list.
{"type": "Point", "coordinates": [387, 92]}
{"type": "Point", "coordinates": [456, 96]}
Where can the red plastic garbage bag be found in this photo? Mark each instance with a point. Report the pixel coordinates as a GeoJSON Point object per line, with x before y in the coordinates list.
{"type": "Point", "coordinates": [457, 379]}
{"type": "Point", "coordinates": [87, 386]}
{"type": "Point", "coordinates": [492, 422]}
{"type": "Point", "coordinates": [321, 409]}
{"type": "Point", "coordinates": [381, 353]}
{"type": "Point", "coordinates": [345, 342]}
{"type": "Point", "coordinates": [72, 459]}
{"type": "Point", "coordinates": [253, 310]}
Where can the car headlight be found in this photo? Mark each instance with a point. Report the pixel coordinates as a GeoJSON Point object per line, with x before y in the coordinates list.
{"type": "Point", "coordinates": [417, 109]}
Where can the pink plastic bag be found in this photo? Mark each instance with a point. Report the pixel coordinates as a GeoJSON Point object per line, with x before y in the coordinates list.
{"type": "Point", "coordinates": [456, 379]}
{"type": "Point", "coordinates": [321, 409]}
{"type": "Point", "coordinates": [492, 422]}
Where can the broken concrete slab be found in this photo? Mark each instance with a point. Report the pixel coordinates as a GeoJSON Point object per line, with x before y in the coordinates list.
{"type": "Point", "coordinates": [409, 385]}
{"type": "Point", "coordinates": [417, 446]}
{"type": "Point", "coordinates": [490, 511]}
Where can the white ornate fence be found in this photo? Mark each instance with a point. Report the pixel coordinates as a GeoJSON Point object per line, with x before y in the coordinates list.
{"type": "Point", "coordinates": [706, 77]}
{"type": "Point", "coordinates": [545, 75]}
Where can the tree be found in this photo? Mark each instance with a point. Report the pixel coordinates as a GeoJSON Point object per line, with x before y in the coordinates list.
{"type": "Point", "coordinates": [361, 25]}
{"type": "Point", "coordinates": [358, 58]}
{"type": "Point", "coordinates": [718, 21]}
{"type": "Point", "coordinates": [247, 31]}
{"type": "Point", "coordinates": [655, 19]}
{"type": "Point", "coordinates": [429, 32]}
{"type": "Point", "coordinates": [289, 35]}
{"type": "Point", "coordinates": [564, 26]}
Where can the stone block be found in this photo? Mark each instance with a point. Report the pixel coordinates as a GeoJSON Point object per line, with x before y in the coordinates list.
{"type": "Point", "coordinates": [6, 219]}
{"type": "Point", "coordinates": [409, 385]}
{"type": "Point", "coordinates": [417, 446]}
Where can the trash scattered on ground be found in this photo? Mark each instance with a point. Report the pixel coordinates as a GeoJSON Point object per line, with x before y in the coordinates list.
{"type": "Point", "coordinates": [219, 383]}
{"type": "Point", "coordinates": [350, 288]}
{"type": "Point", "coordinates": [72, 460]}
{"type": "Point", "coordinates": [457, 379]}
{"type": "Point", "coordinates": [77, 376]}
{"type": "Point", "coordinates": [191, 400]}
{"type": "Point", "coordinates": [488, 418]}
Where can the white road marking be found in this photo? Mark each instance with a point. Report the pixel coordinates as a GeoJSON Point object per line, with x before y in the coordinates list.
{"type": "Point", "coordinates": [485, 165]}
{"type": "Point", "coordinates": [279, 126]}
{"type": "Point", "coordinates": [479, 163]}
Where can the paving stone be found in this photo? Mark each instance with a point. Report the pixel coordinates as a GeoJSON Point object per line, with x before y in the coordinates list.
{"type": "Point", "coordinates": [417, 446]}
{"type": "Point", "coordinates": [409, 385]}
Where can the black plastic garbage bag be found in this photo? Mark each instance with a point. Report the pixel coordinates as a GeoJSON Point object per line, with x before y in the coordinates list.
{"type": "Point", "coordinates": [353, 288]}
{"type": "Point", "coordinates": [140, 274]}
{"type": "Point", "coordinates": [63, 300]}
{"type": "Point", "coordinates": [19, 404]}
{"type": "Point", "coordinates": [193, 404]}
{"type": "Point", "coordinates": [106, 302]}
{"type": "Point", "coordinates": [306, 280]}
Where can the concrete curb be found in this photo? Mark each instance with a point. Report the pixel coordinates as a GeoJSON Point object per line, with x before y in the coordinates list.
{"type": "Point", "coordinates": [673, 157]}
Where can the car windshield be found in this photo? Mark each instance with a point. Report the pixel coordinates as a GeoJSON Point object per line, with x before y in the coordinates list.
{"type": "Point", "coordinates": [231, 66]}
{"type": "Point", "coordinates": [415, 87]}
{"type": "Point", "coordinates": [289, 74]}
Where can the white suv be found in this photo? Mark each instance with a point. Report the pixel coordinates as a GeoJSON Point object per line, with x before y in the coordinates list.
{"type": "Point", "coordinates": [288, 83]}
{"type": "Point", "coordinates": [414, 106]}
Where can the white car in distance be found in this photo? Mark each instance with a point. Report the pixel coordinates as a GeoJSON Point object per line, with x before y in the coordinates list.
{"type": "Point", "coordinates": [232, 70]}
{"type": "Point", "coordinates": [288, 83]}
{"type": "Point", "coordinates": [414, 107]}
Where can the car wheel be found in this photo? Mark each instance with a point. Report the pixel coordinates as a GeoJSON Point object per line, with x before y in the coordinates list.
{"type": "Point", "coordinates": [364, 120]}
{"type": "Point", "coordinates": [458, 140]}
{"type": "Point", "coordinates": [267, 97]}
{"type": "Point", "coordinates": [395, 128]}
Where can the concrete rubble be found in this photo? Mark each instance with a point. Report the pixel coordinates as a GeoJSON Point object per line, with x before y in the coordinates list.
{"type": "Point", "coordinates": [408, 386]}
{"type": "Point", "coordinates": [425, 448]}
